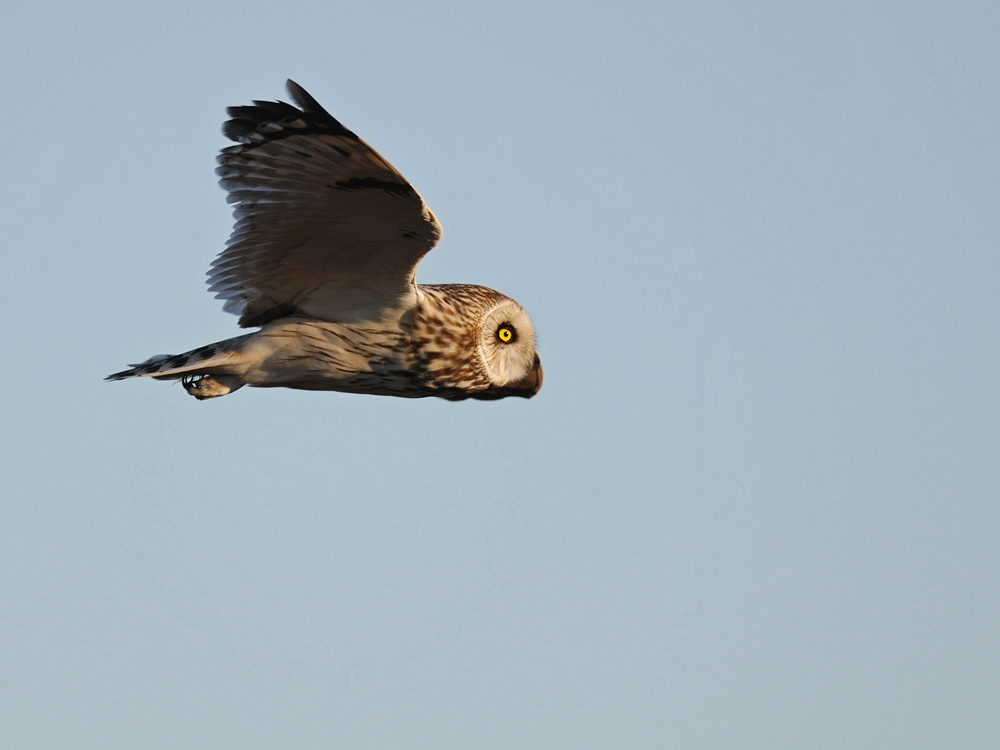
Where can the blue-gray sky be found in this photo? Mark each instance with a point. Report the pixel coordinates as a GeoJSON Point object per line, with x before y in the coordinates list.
{"type": "Point", "coordinates": [755, 504]}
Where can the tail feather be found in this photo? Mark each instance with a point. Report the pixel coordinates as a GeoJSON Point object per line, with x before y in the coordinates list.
{"type": "Point", "coordinates": [213, 357]}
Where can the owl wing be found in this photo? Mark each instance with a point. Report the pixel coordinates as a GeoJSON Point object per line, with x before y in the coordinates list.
{"type": "Point", "coordinates": [325, 227]}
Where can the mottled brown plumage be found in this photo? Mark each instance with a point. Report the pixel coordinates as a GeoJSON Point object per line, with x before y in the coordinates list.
{"type": "Point", "coordinates": [322, 258]}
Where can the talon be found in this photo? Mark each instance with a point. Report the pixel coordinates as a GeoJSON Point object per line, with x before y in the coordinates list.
{"type": "Point", "coordinates": [193, 384]}
{"type": "Point", "coordinates": [210, 386]}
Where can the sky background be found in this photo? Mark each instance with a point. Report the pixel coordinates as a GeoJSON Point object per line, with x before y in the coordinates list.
{"type": "Point", "coordinates": [755, 504]}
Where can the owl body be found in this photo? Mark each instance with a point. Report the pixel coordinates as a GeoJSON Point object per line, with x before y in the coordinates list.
{"type": "Point", "coordinates": [446, 346]}
{"type": "Point", "coordinates": [322, 258]}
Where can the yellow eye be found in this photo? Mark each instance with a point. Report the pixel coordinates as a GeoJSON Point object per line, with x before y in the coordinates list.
{"type": "Point", "coordinates": [506, 333]}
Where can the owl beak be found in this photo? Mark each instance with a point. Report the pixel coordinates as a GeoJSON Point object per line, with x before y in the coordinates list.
{"type": "Point", "coordinates": [532, 382]}
{"type": "Point", "coordinates": [529, 385]}
{"type": "Point", "coordinates": [526, 387]}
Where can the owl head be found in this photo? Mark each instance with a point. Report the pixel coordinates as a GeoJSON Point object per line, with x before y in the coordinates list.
{"type": "Point", "coordinates": [473, 342]}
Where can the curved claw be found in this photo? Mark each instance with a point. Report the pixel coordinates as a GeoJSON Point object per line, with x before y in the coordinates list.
{"type": "Point", "coordinates": [210, 386]}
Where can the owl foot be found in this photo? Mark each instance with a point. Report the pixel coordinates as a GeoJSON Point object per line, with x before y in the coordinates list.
{"type": "Point", "coordinates": [211, 386]}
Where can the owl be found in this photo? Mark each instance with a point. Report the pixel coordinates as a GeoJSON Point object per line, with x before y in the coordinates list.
{"type": "Point", "coordinates": [321, 260]}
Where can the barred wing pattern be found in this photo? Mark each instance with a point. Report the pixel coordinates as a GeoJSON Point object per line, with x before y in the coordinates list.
{"type": "Point", "coordinates": [325, 227]}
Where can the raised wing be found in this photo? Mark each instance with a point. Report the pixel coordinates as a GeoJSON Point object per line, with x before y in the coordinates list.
{"type": "Point", "coordinates": [325, 227]}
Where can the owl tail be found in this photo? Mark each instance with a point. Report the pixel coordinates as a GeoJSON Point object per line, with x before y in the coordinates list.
{"type": "Point", "coordinates": [213, 358]}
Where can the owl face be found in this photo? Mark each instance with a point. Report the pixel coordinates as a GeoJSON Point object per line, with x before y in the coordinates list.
{"type": "Point", "coordinates": [506, 343]}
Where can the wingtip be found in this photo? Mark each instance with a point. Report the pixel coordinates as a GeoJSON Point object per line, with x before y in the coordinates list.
{"type": "Point", "coordinates": [304, 99]}
{"type": "Point", "coordinates": [298, 94]}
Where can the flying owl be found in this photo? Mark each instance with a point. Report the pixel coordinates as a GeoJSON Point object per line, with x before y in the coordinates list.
{"type": "Point", "coordinates": [322, 258]}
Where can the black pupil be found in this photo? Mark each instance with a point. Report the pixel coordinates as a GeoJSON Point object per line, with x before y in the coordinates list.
{"type": "Point", "coordinates": [506, 334]}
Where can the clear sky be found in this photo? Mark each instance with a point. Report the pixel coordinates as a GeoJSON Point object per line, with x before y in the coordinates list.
{"type": "Point", "coordinates": [755, 504]}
